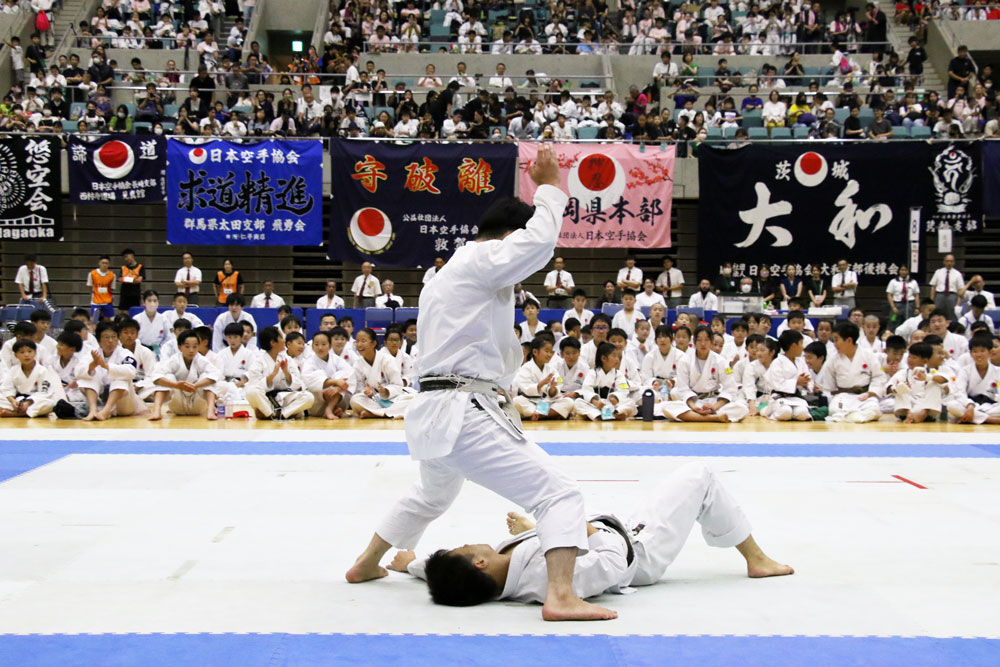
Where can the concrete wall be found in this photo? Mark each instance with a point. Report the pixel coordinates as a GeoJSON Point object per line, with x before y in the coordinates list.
{"type": "Point", "coordinates": [940, 50]}
{"type": "Point", "coordinates": [290, 14]}
{"type": "Point", "coordinates": [977, 35]}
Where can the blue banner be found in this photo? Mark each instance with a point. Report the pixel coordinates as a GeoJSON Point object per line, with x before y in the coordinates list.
{"type": "Point", "coordinates": [405, 204]}
{"type": "Point", "coordinates": [119, 168]}
{"type": "Point", "coordinates": [991, 179]}
{"type": "Point", "coordinates": [224, 193]}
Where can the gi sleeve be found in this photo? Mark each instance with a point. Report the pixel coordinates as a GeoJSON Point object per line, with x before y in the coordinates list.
{"type": "Point", "coordinates": [126, 370]}
{"type": "Point", "coordinates": [682, 383]}
{"type": "Point", "coordinates": [588, 390]}
{"type": "Point", "coordinates": [523, 381]}
{"type": "Point", "coordinates": [603, 566]}
{"type": "Point", "coordinates": [879, 379]}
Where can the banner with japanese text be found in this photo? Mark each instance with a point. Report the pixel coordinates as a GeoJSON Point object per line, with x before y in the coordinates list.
{"type": "Point", "coordinates": [30, 188]}
{"type": "Point", "coordinates": [224, 193]}
{"type": "Point", "coordinates": [809, 203]}
{"type": "Point", "coordinates": [956, 189]}
{"type": "Point", "coordinates": [991, 179]}
{"type": "Point", "coordinates": [405, 204]}
{"type": "Point", "coordinates": [620, 195]}
{"type": "Point", "coordinates": [119, 168]}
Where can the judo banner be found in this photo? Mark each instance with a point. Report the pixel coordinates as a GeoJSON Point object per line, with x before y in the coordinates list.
{"type": "Point", "coordinates": [956, 187]}
{"type": "Point", "coordinates": [991, 179]}
{"type": "Point", "coordinates": [223, 193]}
{"type": "Point", "coordinates": [30, 188]}
{"type": "Point", "coordinates": [799, 204]}
{"type": "Point", "coordinates": [619, 195]}
{"type": "Point", "coordinates": [122, 168]}
{"type": "Point", "coordinates": [405, 204]}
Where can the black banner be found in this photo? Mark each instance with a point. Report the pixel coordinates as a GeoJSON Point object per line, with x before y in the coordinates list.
{"type": "Point", "coordinates": [119, 168]}
{"type": "Point", "coordinates": [30, 197]}
{"type": "Point", "coordinates": [991, 174]}
{"type": "Point", "coordinates": [801, 204]}
{"type": "Point", "coordinates": [955, 191]}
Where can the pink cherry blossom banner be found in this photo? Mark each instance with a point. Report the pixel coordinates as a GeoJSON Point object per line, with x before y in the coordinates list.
{"type": "Point", "coordinates": [620, 196]}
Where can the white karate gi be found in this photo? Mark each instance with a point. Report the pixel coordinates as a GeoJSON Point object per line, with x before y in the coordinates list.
{"type": "Point", "coordinates": [588, 353]}
{"type": "Point", "coordinates": [407, 366]}
{"type": "Point", "coordinates": [467, 329]}
{"type": "Point", "coordinates": [583, 317]}
{"type": "Point", "coordinates": [172, 316]}
{"type": "Point", "coordinates": [971, 384]}
{"type": "Point", "coordinates": [44, 351]}
{"type": "Point", "coordinates": [864, 370]}
{"type": "Point", "coordinates": [232, 367]}
{"type": "Point", "coordinates": [878, 347]}
{"type": "Point", "coordinates": [912, 394]}
{"type": "Point", "coordinates": [787, 397]}
{"type": "Point", "coordinates": [153, 332]}
{"type": "Point", "coordinates": [626, 321]}
{"type": "Point", "coordinates": [706, 385]}
{"type": "Point", "coordinates": [656, 530]}
{"type": "Point", "coordinates": [526, 394]}
{"type": "Point", "coordinates": [955, 345]}
{"type": "Point", "coordinates": [291, 396]}
{"type": "Point", "coordinates": [384, 370]}
{"type": "Point", "coordinates": [970, 318]}
{"type": "Point", "coordinates": [527, 335]}
{"type": "Point", "coordinates": [67, 375]}
{"type": "Point", "coordinates": [604, 385]}
{"type": "Point", "coordinates": [224, 320]}
{"type": "Point", "coordinates": [42, 386]}
{"type": "Point", "coordinates": [731, 350]}
{"type": "Point", "coordinates": [120, 374]}
{"type": "Point", "coordinates": [643, 300]}
{"type": "Point", "coordinates": [315, 372]}
{"type": "Point", "coordinates": [752, 383]}
{"type": "Point", "coordinates": [572, 377]}
{"type": "Point", "coordinates": [146, 362]}
{"type": "Point", "coordinates": [174, 369]}
{"type": "Point", "coordinates": [656, 366]}
{"type": "Point", "coordinates": [637, 350]}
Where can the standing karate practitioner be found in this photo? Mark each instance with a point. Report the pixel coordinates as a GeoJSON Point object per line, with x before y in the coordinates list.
{"type": "Point", "coordinates": [789, 380]}
{"type": "Point", "coordinates": [188, 379]}
{"type": "Point", "coordinates": [633, 552]}
{"type": "Point", "coordinates": [456, 427]}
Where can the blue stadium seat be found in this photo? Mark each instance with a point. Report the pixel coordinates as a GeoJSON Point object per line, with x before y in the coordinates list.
{"type": "Point", "coordinates": [800, 132]}
{"type": "Point", "coordinates": [8, 313]}
{"type": "Point", "coordinates": [757, 133]}
{"type": "Point", "coordinates": [588, 132]}
{"type": "Point", "coordinates": [729, 132]}
{"type": "Point", "coordinates": [24, 312]}
{"type": "Point", "coordinates": [69, 125]}
{"type": "Point", "coordinates": [840, 114]}
{"type": "Point", "coordinates": [610, 309]}
{"type": "Point", "coordinates": [400, 315]}
{"type": "Point", "coordinates": [781, 133]}
{"type": "Point", "coordinates": [920, 132]}
{"type": "Point", "coordinates": [76, 110]}
{"type": "Point", "coordinates": [378, 319]}
{"type": "Point", "coordinates": [900, 132]}
{"type": "Point", "coordinates": [715, 133]}
{"type": "Point", "coordinates": [753, 119]}
{"type": "Point", "coordinates": [171, 110]}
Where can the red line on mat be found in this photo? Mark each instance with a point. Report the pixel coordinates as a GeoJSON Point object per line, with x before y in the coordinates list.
{"type": "Point", "coordinates": [903, 479]}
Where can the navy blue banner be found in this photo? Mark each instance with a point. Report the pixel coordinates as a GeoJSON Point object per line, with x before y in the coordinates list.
{"type": "Point", "coordinates": [120, 168]}
{"type": "Point", "coordinates": [405, 204]}
{"type": "Point", "coordinates": [799, 204]}
{"type": "Point", "coordinates": [223, 193]}
{"type": "Point", "coordinates": [991, 179]}
{"type": "Point", "coordinates": [30, 188]}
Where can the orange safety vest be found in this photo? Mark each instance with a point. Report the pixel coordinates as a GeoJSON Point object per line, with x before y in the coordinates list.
{"type": "Point", "coordinates": [228, 285]}
{"type": "Point", "coordinates": [134, 273]}
{"type": "Point", "coordinates": [101, 287]}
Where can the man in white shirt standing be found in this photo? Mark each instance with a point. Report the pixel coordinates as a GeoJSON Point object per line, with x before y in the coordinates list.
{"type": "Point", "coordinates": [188, 279]}
{"type": "Point", "coordinates": [704, 298]}
{"type": "Point", "coordinates": [389, 298]}
{"type": "Point", "coordinates": [267, 298]}
{"type": "Point", "coordinates": [32, 280]}
{"type": "Point", "coordinates": [630, 277]}
{"type": "Point", "coordinates": [455, 427]}
{"type": "Point", "coordinates": [330, 300]}
{"type": "Point", "coordinates": [947, 285]}
{"type": "Point", "coordinates": [431, 272]}
{"type": "Point", "coordinates": [670, 282]}
{"type": "Point", "coordinates": [366, 287]}
{"type": "Point", "coordinates": [844, 284]}
{"type": "Point", "coordinates": [559, 284]}
{"type": "Point", "coordinates": [648, 296]}
{"type": "Point", "coordinates": [902, 294]}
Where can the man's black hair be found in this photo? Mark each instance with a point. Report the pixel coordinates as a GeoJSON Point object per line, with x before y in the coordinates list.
{"type": "Point", "coordinates": [530, 302]}
{"type": "Point", "coordinates": [754, 339]}
{"type": "Point", "coordinates": [338, 331]}
{"type": "Point", "coordinates": [981, 340]}
{"type": "Point", "coordinates": [923, 350]}
{"type": "Point", "coordinates": [795, 315]}
{"type": "Point", "coordinates": [816, 349]}
{"type": "Point", "coordinates": [617, 332]}
{"type": "Point", "coordinates": [603, 350]}
{"type": "Point", "coordinates": [739, 324]}
{"type": "Point", "coordinates": [70, 339]}
{"type": "Point", "coordinates": [204, 333]}
{"type": "Point", "coordinates": [345, 318]}
{"type": "Point", "coordinates": [184, 324]}
{"type": "Point", "coordinates": [25, 329]}
{"type": "Point", "coordinates": [788, 338]}
{"type": "Point", "coordinates": [74, 326]}
{"type": "Point", "coordinates": [23, 343]}
{"type": "Point", "coordinates": [267, 337]}
{"type": "Point", "coordinates": [236, 299]}
{"type": "Point", "coordinates": [456, 582]}
{"type": "Point", "coordinates": [185, 335]}
{"type": "Point", "coordinates": [579, 291]}
{"type": "Point", "coordinates": [895, 343]}
{"type": "Point", "coordinates": [663, 330]}
{"type": "Point", "coordinates": [80, 312]}
{"type": "Point", "coordinates": [128, 323]}
{"type": "Point", "coordinates": [506, 215]}
{"type": "Point", "coordinates": [600, 317]}
{"type": "Point", "coordinates": [569, 342]}
{"type": "Point", "coordinates": [233, 329]}
{"type": "Point", "coordinates": [105, 326]}
{"type": "Point", "coordinates": [570, 324]}
{"type": "Point", "coordinates": [933, 339]}
{"type": "Point", "coordinates": [294, 336]}
{"type": "Point", "coordinates": [978, 301]}
{"type": "Point", "coordinates": [289, 319]}
{"type": "Point", "coordinates": [848, 330]}
{"type": "Point", "coordinates": [40, 315]}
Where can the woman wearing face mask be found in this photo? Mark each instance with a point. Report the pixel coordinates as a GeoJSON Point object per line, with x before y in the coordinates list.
{"type": "Point", "coordinates": [725, 283]}
{"type": "Point", "coordinates": [767, 285]}
{"type": "Point", "coordinates": [122, 122]}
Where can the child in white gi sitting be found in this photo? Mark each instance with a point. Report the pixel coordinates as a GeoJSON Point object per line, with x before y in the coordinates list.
{"type": "Point", "coordinates": [233, 361]}
{"type": "Point", "coordinates": [128, 337]}
{"type": "Point", "coordinates": [854, 378]}
{"type": "Point", "coordinates": [605, 391]}
{"type": "Point", "coordinates": [789, 380]}
{"type": "Point", "coordinates": [918, 388]}
{"type": "Point", "coordinates": [65, 363]}
{"type": "Point", "coordinates": [106, 378]}
{"type": "Point", "coordinates": [974, 400]}
{"type": "Point", "coordinates": [570, 367]}
{"type": "Point", "coordinates": [29, 389]}
{"type": "Point", "coordinates": [753, 384]}
{"type": "Point", "coordinates": [659, 368]}
{"type": "Point", "coordinates": [537, 385]}
{"type": "Point", "coordinates": [169, 348]}
{"type": "Point", "coordinates": [188, 380]}
{"type": "Point", "coordinates": [706, 390]}
{"type": "Point", "coordinates": [378, 381]}
{"type": "Point", "coordinates": [328, 377]}
{"type": "Point", "coordinates": [154, 329]}
{"type": "Point", "coordinates": [274, 387]}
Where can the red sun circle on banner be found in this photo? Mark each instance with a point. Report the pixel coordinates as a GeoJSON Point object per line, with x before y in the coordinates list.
{"type": "Point", "coordinates": [370, 230]}
{"type": "Point", "coordinates": [810, 169]}
{"type": "Point", "coordinates": [597, 175]}
{"type": "Point", "coordinates": [198, 155]}
{"type": "Point", "coordinates": [114, 159]}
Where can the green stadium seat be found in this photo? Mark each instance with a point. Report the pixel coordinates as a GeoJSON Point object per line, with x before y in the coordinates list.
{"type": "Point", "coordinates": [715, 133]}
{"type": "Point", "coordinates": [920, 132]}
{"type": "Point", "coordinates": [171, 110]}
{"type": "Point", "coordinates": [800, 132]}
{"type": "Point", "coordinates": [781, 133]}
{"type": "Point", "coordinates": [757, 133]}
{"type": "Point", "coordinates": [587, 132]}
{"type": "Point", "coordinates": [753, 119]}
{"type": "Point", "coordinates": [840, 114]}
{"type": "Point", "coordinates": [900, 132]}
{"type": "Point", "coordinates": [69, 126]}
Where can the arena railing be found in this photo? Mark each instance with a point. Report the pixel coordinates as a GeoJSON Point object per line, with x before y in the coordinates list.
{"type": "Point", "coordinates": [676, 48]}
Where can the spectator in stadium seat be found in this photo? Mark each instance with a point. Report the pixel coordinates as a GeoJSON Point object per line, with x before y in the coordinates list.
{"type": "Point", "coordinates": [388, 298]}
{"type": "Point", "coordinates": [121, 122]}
{"type": "Point", "coordinates": [204, 84]}
{"type": "Point", "coordinates": [879, 128]}
{"type": "Point", "coordinates": [852, 125]}
{"type": "Point", "coordinates": [366, 287]}
{"type": "Point", "coordinates": [610, 295]}
{"type": "Point", "coordinates": [961, 70]}
{"type": "Point", "coordinates": [330, 300]}
{"type": "Point", "coordinates": [500, 79]}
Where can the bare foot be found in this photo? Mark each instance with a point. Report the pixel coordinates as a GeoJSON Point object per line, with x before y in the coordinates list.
{"type": "Point", "coordinates": [211, 415]}
{"type": "Point", "coordinates": [763, 566]}
{"type": "Point", "coordinates": [722, 419]}
{"type": "Point", "coordinates": [534, 417]}
{"type": "Point", "coordinates": [518, 523]}
{"type": "Point", "coordinates": [155, 417]}
{"type": "Point", "coordinates": [362, 572]}
{"type": "Point", "coordinates": [575, 609]}
{"type": "Point", "coordinates": [621, 416]}
{"type": "Point", "coordinates": [101, 416]}
{"type": "Point", "coordinates": [338, 413]}
{"type": "Point", "coordinates": [90, 417]}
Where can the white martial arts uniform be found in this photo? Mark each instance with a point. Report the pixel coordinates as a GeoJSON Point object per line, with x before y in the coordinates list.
{"type": "Point", "coordinates": [913, 394]}
{"type": "Point", "coordinates": [315, 372]}
{"type": "Point", "coordinates": [384, 371]}
{"type": "Point", "coordinates": [175, 370]}
{"type": "Point", "coordinates": [527, 335]}
{"type": "Point", "coordinates": [637, 350]}
{"type": "Point", "coordinates": [572, 377]}
{"type": "Point", "coordinates": [656, 366]}
{"type": "Point", "coordinates": [955, 345]}
{"type": "Point", "coordinates": [655, 533]}
{"type": "Point", "coordinates": [970, 318]}
{"type": "Point", "coordinates": [233, 367]}
{"type": "Point", "coordinates": [172, 316]}
{"type": "Point", "coordinates": [67, 375]}
{"type": "Point", "coordinates": [407, 366]}
{"type": "Point", "coordinates": [153, 333]}
{"type": "Point", "coordinates": [626, 321]}
{"type": "Point", "coordinates": [119, 375]}
{"type": "Point", "coordinates": [752, 381]}
{"type": "Point", "coordinates": [224, 320]}
{"type": "Point", "coordinates": [42, 386]}
{"type": "Point", "coordinates": [730, 351]}
{"type": "Point", "coordinates": [527, 397]}
{"type": "Point", "coordinates": [976, 389]}
{"type": "Point", "coordinates": [705, 382]}
{"type": "Point", "coordinates": [604, 385]}
{"type": "Point", "coordinates": [787, 397]}
{"type": "Point", "coordinates": [877, 346]}
{"type": "Point", "coordinates": [466, 328]}
{"type": "Point", "coordinates": [291, 396]}
{"type": "Point", "coordinates": [583, 317]}
{"type": "Point", "coordinates": [44, 351]}
{"type": "Point", "coordinates": [861, 375]}
{"type": "Point", "coordinates": [145, 364]}
{"type": "Point", "coordinates": [588, 353]}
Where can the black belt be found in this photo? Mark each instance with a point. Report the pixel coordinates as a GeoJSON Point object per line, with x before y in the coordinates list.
{"type": "Point", "coordinates": [852, 390]}
{"type": "Point", "coordinates": [438, 385]}
{"type": "Point", "coordinates": [630, 554]}
{"type": "Point", "coordinates": [785, 394]}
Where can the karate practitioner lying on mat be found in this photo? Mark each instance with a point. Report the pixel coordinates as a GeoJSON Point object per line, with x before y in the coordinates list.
{"type": "Point", "coordinates": [633, 552]}
{"type": "Point", "coordinates": [455, 426]}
